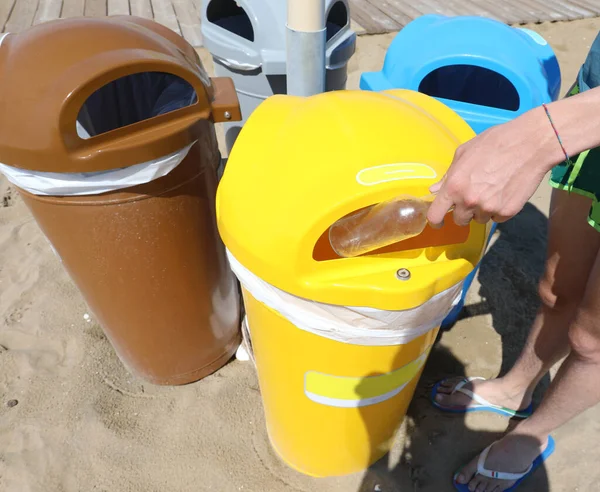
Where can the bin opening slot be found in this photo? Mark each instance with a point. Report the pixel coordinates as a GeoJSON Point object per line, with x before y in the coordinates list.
{"type": "Point", "coordinates": [228, 15]}
{"type": "Point", "coordinates": [337, 19]}
{"type": "Point", "coordinates": [471, 84]}
{"type": "Point", "coordinates": [449, 234]}
{"type": "Point", "coordinates": [132, 99]}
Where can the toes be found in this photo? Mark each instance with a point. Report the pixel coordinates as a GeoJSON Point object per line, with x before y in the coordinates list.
{"type": "Point", "coordinates": [462, 478]}
{"type": "Point", "coordinates": [474, 484]}
{"type": "Point", "coordinates": [448, 384]}
{"type": "Point", "coordinates": [467, 474]}
{"type": "Point", "coordinates": [482, 487]}
{"type": "Point", "coordinates": [441, 397]}
{"type": "Point", "coordinates": [446, 390]}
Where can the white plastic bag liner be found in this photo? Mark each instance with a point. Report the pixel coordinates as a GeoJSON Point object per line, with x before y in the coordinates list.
{"type": "Point", "coordinates": [353, 325]}
{"type": "Point", "coordinates": [75, 184]}
{"type": "Point", "coordinates": [120, 103]}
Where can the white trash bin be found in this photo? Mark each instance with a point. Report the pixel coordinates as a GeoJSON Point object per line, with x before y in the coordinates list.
{"type": "Point", "coordinates": [247, 40]}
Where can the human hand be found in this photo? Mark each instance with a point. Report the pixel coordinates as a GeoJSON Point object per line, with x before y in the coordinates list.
{"type": "Point", "coordinates": [493, 175]}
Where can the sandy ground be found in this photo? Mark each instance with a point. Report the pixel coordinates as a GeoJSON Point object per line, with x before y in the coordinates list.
{"type": "Point", "coordinates": [83, 424]}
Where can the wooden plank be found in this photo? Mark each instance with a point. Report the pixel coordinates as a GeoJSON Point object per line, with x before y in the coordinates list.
{"type": "Point", "coordinates": [189, 21]}
{"type": "Point", "coordinates": [398, 15]}
{"type": "Point", "coordinates": [474, 7]}
{"type": "Point", "coordinates": [542, 9]}
{"type": "Point", "coordinates": [48, 10]}
{"type": "Point", "coordinates": [95, 8]}
{"type": "Point", "coordinates": [72, 8]}
{"type": "Point", "coordinates": [507, 12]}
{"type": "Point", "coordinates": [456, 7]}
{"type": "Point", "coordinates": [591, 5]}
{"type": "Point", "coordinates": [573, 8]}
{"type": "Point", "coordinates": [496, 10]}
{"type": "Point", "coordinates": [371, 18]}
{"type": "Point", "coordinates": [118, 7]}
{"type": "Point", "coordinates": [357, 12]}
{"type": "Point", "coordinates": [530, 14]}
{"type": "Point", "coordinates": [6, 7]}
{"type": "Point", "coordinates": [541, 12]}
{"type": "Point", "coordinates": [141, 8]}
{"type": "Point", "coordinates": [164, 13]}
{"type": "Point", "coordinates": [515, 11]}
{"type": "Point", "coordinates": [435, 7]}
{"type": "Point", "coordinates": [545, 10]}
{"type": "Point", "coordinates": [520, 11]}
{"type": "Point", "coordinates": [499, 10]}
{"type": "Point", "coordinates": [378, 16]}
{"type": "Point", "coordinates": [407, 7]}
{"type": "Point", "coordinates": [22, 16]}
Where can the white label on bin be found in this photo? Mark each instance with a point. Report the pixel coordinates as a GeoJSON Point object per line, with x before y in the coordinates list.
{"type": "Point", "coordinates": [353, 392]}
{"type": "Point", "coordinates": [535, 36]}
{"type": "Point", "coordinates": [395, 172]}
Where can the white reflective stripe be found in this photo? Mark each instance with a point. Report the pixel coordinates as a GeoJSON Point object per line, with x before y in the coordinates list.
{"type": "Point", "coordinates": [3, 36]}
{"type": "Point", "coordinates": [338, 402]}
{"type": "Point", "coordinates": [353, 325]}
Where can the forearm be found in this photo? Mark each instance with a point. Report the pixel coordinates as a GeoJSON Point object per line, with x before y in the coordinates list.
{"type": "Point", "coordinates": [577, 120]}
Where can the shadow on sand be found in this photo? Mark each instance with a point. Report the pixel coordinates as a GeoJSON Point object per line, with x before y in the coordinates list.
{"type": "Point", "coordinates": [437, 444]}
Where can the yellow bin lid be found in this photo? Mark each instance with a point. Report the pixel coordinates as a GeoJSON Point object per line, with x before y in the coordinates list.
{"type": "Point", "coordinates": [300, 164]}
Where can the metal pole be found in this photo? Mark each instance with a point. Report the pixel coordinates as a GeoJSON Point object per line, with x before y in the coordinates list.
{"type": "Point", "coordinates": [306, 40]}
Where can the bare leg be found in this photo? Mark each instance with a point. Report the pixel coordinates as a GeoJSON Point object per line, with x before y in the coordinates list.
{"type": "Point", "coordinates": [572, 249]}
{"type": "Point", "coordinates": [574, 390]}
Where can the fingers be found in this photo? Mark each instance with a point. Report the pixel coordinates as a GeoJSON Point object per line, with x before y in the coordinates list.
{"type": "Point", "coordinates": [482, 217]}
{"type": "Point", "coordinates": [438, 210]}
{"type": "Point", "coordinates": [463, 216]}
{"type": "Point", "coordinates": [437, 186]}
{"type": "Point", "coordinates": [499, 219]}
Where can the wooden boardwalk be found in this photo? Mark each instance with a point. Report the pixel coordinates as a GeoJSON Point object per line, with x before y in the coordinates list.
{"type": "Point", "coordinates": [379, 16]}
{"type": "Point", "coordinates": [369, 16]}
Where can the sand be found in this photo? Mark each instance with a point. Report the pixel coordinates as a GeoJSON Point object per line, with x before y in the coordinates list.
{"type": "Point", "coordinates": [81, 423]}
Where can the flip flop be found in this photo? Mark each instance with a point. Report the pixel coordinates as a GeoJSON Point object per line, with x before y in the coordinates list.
{"type": "Point", "coordinates": [482, 404]}
{"type": "Point", "coordinates": [519, 477]}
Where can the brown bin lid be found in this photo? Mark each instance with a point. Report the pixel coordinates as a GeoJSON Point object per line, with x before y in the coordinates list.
{"type": "Point", "coordinates": [51, 70]}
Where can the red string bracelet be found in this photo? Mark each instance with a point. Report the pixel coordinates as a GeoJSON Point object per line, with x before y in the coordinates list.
{"type": "Point", "coordinates": [567, 158]}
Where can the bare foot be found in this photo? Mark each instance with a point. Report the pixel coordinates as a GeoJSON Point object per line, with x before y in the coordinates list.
{"type": "Point", "coordinates": [512, 454]}
{"type": "Point", "coordinates": [494, 391]}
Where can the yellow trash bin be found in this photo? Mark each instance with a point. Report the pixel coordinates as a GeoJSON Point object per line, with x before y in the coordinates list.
{"type": "Point", "coordinates": [340, 343]}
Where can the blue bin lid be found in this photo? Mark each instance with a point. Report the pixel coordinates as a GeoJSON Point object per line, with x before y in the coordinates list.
{"type": "Point", "coordinates": [432, 42]}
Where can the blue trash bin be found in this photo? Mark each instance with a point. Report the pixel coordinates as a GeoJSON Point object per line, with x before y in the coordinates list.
{"type": "Point", "coordinates": [486, 71]}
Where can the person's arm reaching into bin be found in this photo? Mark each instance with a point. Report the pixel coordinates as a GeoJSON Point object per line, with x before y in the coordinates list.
{"type": "Point", "coordinates": [493, 175]}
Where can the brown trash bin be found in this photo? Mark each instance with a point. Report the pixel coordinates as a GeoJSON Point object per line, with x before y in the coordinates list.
{"type": "Point", "coordinates": [148, 259]}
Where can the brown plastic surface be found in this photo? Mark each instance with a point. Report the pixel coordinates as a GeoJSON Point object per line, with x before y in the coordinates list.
{"type": "Point", "coordinates": [148, 259]}
{"type": "Point", "coordinates": [54, 67]}
{"type": "Point", "coordinates": [225, 105]}
{"type": "Point", "coordinates": [152, 268]}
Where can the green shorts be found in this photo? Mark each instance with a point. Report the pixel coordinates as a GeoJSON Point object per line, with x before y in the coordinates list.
{"type": "Point", "coordinates": [581, 177]}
